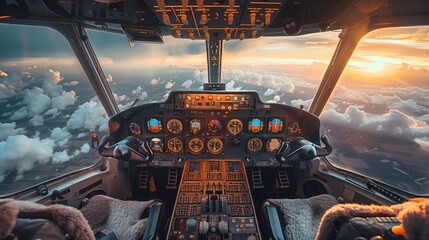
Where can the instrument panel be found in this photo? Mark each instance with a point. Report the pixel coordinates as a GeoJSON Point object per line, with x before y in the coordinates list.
{"type": "Point", "coordinates": [191, 125]}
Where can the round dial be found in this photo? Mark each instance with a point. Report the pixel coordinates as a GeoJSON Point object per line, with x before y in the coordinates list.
{"type": "Point", "coordinates": [214, 145]}
{"type": "Point", "coordinates": [294, 129]}
{"type": "Point", "coordinates": [235, 126]}
{"type": "Point", "coordinates": [196, 145]}
{"type": "Point", "coordinates": [174, 145]}
{"type": "Point", "coordinates": [154, 125]}
{"type": "Point", "coordinates": [156, 144]}
{"type": "Point", "coordinates": [254, 145]}
{"type": "Point", "coordinates": [215, 127]}
{"type": "Point", "coordinates": [273, 145]}
{"type": "Point", "coordinates": [135, 128]}
{"type": "Point", "coordinates": [275, 125]}
{"type": "Point", "coordinates": [174, 126]}
{"type": "Point", "coordinates": [195, 126]}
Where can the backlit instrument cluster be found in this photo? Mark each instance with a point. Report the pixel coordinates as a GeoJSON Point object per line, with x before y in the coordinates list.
{"type": "Point", "coordinates": [201, 135]}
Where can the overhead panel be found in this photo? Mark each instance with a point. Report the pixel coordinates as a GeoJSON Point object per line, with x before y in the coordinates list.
{"type": "Point", "coordinates": [216, 20]}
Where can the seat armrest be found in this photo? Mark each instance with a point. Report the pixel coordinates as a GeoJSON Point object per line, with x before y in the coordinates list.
{"type": "Point", "coordinates": [273, 218]}
{"type": "Point", "coordinates": [154, 220]}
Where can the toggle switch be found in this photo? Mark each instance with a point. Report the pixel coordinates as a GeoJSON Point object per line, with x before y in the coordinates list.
{"type": "Point", "coordinates": [230, 18]}
{"type": "Point", "coordinates": [252, 18]}
{"type": "Point", "coordinates": [166, 18]}
{"type": "Point", "coordinates": [267, 19]}
{"type": "Point", "coordinates": [203, 19]}
{"type": "Point", "coordinates": [184, 18]}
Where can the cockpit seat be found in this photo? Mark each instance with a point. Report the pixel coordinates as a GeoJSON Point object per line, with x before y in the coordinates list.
{"type": "Point", "coordinates": [127, 220]}
{"type": "Point", "coordinates": [413, 221]}
{"type": "Point", "coordinates": [28, 220]}
{"type": "Point", "coordinates": [295, 218]}
{"type": "Point", "coordinates": [106, 218]}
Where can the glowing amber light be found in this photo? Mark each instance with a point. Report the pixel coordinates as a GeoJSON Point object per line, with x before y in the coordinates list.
{"type": "Point", "coordinates": [4, 17]}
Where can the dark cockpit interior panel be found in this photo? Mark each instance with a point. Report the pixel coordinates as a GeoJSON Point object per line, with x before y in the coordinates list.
{"type": "Point", "coordinates": [221, 125]}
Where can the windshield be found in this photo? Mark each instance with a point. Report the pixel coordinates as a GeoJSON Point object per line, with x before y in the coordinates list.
{"type": "Point", "coordinates": [281, 70]}
{"type": "Point", "coordinates": [378, 116]}
{"type": "Point", "coordinates": [48, 109]}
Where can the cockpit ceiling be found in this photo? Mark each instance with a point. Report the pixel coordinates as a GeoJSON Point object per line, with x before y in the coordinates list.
{"type": "Point", "coordinates": [222, 19]}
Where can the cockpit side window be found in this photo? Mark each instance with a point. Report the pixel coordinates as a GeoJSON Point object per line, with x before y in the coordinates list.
{"type": "Point", "coordinates": [48, 109]}
{"type": "Point", "coordinates": [378, 116]}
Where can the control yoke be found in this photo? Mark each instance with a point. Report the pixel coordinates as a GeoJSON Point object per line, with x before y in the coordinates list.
{"type": "Point", "coordinates": [300, 149]}
{"type": "Point", "coordinates": [129, 149]}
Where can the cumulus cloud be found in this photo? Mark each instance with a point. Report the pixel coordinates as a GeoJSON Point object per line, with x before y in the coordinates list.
{"type": "Point", "coordinates": [275, 99]}
{"type": "Point", "coordinates": [71, 83]}
{"type": "Point", "coordinates": [60, 136]}
{"type": "Point", "coordinates": [200, 76]}
{"type": "Point", "coordinates": [155, 81]}
{"type": "Point", "coordinates": [277, 82]}
{"type": "Point", "coordinates": [37, 120]}
{"type": "Point", "coordinates": [20, 114]}
{"type": "Point", "coordinates": [269, 92]}
{"type": "Point", "coordinates": [3, 74]}
{"type": "Point", "coordinates": [187, 84]}
{"type": "Point", "coordinates": [9, 129]}
{"type": "Point", "coordinates": [298, 102]}
{"type": "Point", "coordinates": [65, 99]}
{"type": "Point", "coordinates": [89, 116]}
{"type": "Point", "coordinates": [393, 122]}
{"type": "Point", "coordinates": [59, 157]}
{"type": "Point", "coordinates": [36, 104]}
{"type": "Point", "coordinates": [230, 86]}
{"type": "Point", "coordinates": [109, 78]}
{"type": "Point", "coordinates": [53, 112]}
{"type": "Point", "coordinates": [137, 90]}
{"type": "Point", "coordinates": [56, 76]}
{"type": "Point", "coordinates": [21, 153]}
{"type": "Point", "coordinates": [169, 85]}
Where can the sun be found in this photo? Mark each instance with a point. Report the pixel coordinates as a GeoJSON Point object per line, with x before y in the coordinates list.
{"type": "Point", "coordinates": [374, 67]}
{"type": "Point", "coordinates": [373, 64]}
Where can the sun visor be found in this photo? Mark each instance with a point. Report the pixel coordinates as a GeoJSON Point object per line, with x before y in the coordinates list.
{"type": "Point", "coordinates": [136, 33]}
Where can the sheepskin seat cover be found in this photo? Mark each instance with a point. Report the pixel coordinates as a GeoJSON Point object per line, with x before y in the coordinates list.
{"type": "Point", "coordinates": [413, 214]}
{"type": "Point", "coordinates": [302, 216]}
{"type": "Point", "coordinates": [124, 218]}
{"type": "Point", "coordinates": [68, 218]}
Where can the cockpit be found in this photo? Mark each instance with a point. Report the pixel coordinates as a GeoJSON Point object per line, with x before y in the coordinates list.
{"type": "Point", "coordinates": [214, 120]}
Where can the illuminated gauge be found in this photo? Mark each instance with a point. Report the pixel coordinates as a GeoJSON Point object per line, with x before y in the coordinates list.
{"type": "Point", "coordinates": [195, 126]}
{"type": "Point", "coordinates": [294, 129]}
{"type": "Point", "coordinates": [273, 145]}
{"type": "Point", "coordinates": [174, 145]}
{"type": "Point", "coordinates": [254, 145]}
{"type": "Point", "coordinates": [256, 125]}
{"type": "Point", "coordinates": [154, 125]}
{"type": "Point", "coordinates": [135, 128]}
{"type": "Point", "coordinates": [156, 144]}
{"type": "Point", "coordinates": [174, 126]}
{"type": "Point", "coordinates": [196, 145]}
{"type": "Point", "coordinates": [215, 127]}
{"type": "Point", "coordinates": [275, 125]}
{"type": "Point", "coordinates": [214, 145]}
{"type": "Point", "coordinates": [235, 126]}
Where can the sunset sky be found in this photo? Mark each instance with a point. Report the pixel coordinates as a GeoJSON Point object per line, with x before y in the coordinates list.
{"type": "Point", "coordinates": [381, 52]}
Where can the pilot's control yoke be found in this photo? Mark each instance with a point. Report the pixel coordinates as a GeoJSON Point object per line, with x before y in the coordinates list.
{"type": "Point", "coordinates": [299, 149]}
{"type": "Point", "coordinates": [128, 149]}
